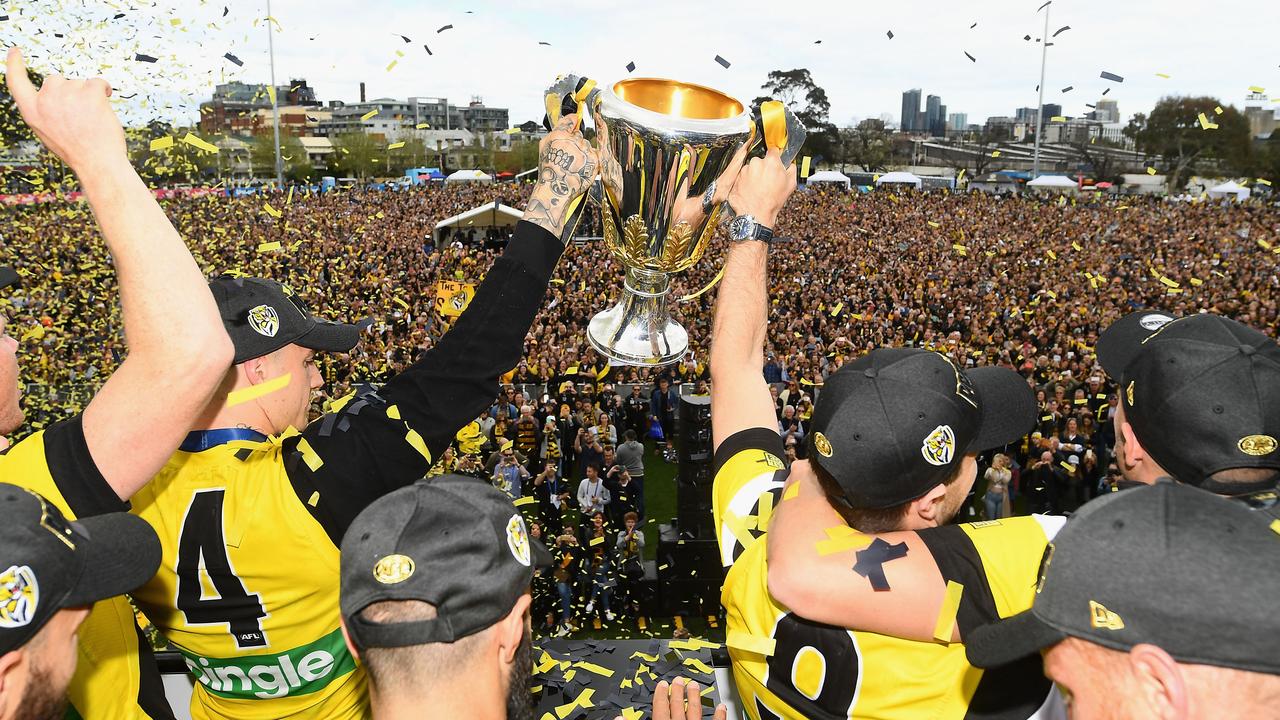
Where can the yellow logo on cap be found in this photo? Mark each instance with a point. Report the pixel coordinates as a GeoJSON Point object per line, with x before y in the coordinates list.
{"type": "Point", "coordinates": [1104, 619]}
{"type": "Point", "coordinates": [1257, 445]}
{"type": "Point", "coordinates": [940, 446]}
{"type": "Point", "coordinates": [1128, 393]}
{"type": "Point", "coordinates": [393, 569]}
{"type": "Point", "coordinates": [19, 593]}
{"type": "Point", "coordinates": [822, 444]}
{"type": "Point", "coordinates": [518, 540]}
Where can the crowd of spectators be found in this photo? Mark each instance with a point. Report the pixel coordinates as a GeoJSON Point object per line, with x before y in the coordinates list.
{"type": "Point", "coordinates": [1021, 282]}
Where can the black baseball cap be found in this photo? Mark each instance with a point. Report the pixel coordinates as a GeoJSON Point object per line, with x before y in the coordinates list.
{"type": "Point", "coordinates": [8, 276]}
{"type": "Point", "coordinates": [898, 421]}
{"type": "Point", "coordinates": [1193, 573]}
{"type": "Point", "coordinates": [262, 316]}
{"type": "Point", "coordinates": [48, 563]}
{"type": "Point", "coordinates": [453, 541]}
{"type": "Point", "coordinates": [1202, 392]}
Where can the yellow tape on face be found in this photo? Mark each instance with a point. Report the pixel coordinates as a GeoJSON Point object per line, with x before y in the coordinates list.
{"type": "Point", "coordinates": [947, 615]}
{"type": "Point", "coordinates": [747, 642]}
{"type": "Point", "coordinates": [239, 397]}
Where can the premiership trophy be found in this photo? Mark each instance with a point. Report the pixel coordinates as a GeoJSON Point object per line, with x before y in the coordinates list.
{"type": "Point", "coordinates": [669, 154]}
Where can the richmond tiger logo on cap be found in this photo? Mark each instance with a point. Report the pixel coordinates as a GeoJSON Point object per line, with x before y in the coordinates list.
{"type": "Point", "coordinates": [1257, 445]}
{"type": "Point", "coordinates": [19, 595]}
{"type": "Point", "coordinates": [940, 446]}
{"type": "Point", "coordinates": [518, 540]}
{"type": "Point", "coordinates": [393, 569]}
{"type": "Point", "coordinates": [822, 444]}
{"type": "Point", "coordinates": [264, 320]}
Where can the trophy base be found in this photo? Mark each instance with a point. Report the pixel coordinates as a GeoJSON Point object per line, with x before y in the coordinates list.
{"type": "Point", "coordinates": [638, 330]}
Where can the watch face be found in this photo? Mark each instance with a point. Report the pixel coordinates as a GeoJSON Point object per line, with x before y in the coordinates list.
{"type": "Point", "coordinates": [740, 228]}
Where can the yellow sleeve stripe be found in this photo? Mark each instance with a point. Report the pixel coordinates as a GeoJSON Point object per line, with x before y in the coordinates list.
{"type": "Point", "coordinates": [747, 642]}
{"type": "Point", "coordinates": [947, 615]}
{"type": "Point", "coordinates": [418, 443]}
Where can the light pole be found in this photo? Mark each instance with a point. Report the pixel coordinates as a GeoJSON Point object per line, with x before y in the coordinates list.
{"type": "Point", "coordinates": [1044, 51]}
{"type": "Point", "coordinates": [275, 105]}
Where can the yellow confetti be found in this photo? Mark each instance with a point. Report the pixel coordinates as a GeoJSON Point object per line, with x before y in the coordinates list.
{"type": "Point", "coordinates": [947, 615]}
{"type": "Point", "coordinates": [1262, 181]}
{"type": "Point", "coordinates": [1264, 244]}
{"type": "Point", "coordinates": [396, 145]}
{"type": "Point", "coordinates": [1170, 283]}
{"type": "Point", "coordinates": [593, 668]}
{"type": "Point", "coordinates": [1218, 110]}
{"type": "Point", "coordinates": [422, 126]}
{"type": "Point", "coordinates": [933, 224]}
{"type": "Point", "coordinates": [1256, 89]}
{"type": "Point", "coordinates": [841, 544]}
{"type": "Point", "coordinates": [1151, 171]}
{"type": "Point", "coordinates": [391, 65]}
{"type": "Point", "coordinates": [836, 310]}
{"type": "Point", "coordinates": [369, 114]}
{"type": "Point", "coordinates": [995, 153]}
{"type": "Point", "coordinates": [596, 541]}
{"type": "Point", "coordinates": [1058, 118]}
{"type": "Point", "coordinates": [269, 246]}
{"type": "Point", "coordinates": [1275, 526]}
{"type": "Point", "coordinates": [630, 713]}
{"type": "Point", "coordinates": [804, 167]}
{"type": "Point", "coordinates": [199, 144]}
{"type": "Point", "coordinates": [1197, 282]}
{"type": "Point", "coordinates": [1052, 255]}
{"type": "Point", "coordinates": [310, 457]}
{"type": "Point", "coordinates": [271, 211]}
{"type": "Point", "coordinates": [244, 395]}
{"type": "Point", "coordinates": [698, 665]}
{"type": "Point", "coordinates": [747, 642]}
{"type": "Point", "coordinates": [1076, 246]}
{"type": "Point", "coordinates": [1162, 75]}
{"type": "Point", "coordinates": [161, 143]}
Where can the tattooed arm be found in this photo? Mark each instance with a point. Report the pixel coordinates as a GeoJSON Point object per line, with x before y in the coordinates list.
{"type": "Point", "coordinates": [568, 166]}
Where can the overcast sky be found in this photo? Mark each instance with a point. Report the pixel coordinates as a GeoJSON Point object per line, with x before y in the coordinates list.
{"type": "Point", "coordinates": [1218, 49]}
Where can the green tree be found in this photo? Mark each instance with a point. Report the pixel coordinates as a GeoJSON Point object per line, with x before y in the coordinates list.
{"type": "Point", "coordinates": [798, 91]}
{"type": "Point", "coordinates": [297, 164]}
{"type": "Point", "coordinates": [406, 156]}
{"type": "Point", "coordinates": [354, 155]}
{"type": "Point", "coordinates": [522, 156]}
{"type": "Point", "coordinates": [1173, 132]}
{"type": "Point", "coordinates": [1103, 164]}
{"type": "Point", "coordinates": [867, 144]}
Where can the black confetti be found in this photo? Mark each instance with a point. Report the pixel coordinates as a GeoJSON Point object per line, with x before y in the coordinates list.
{"type": "Point", "coordinates": [1091, 105]}
{"type": "Point", "coordinates": [1104, 92]}
{"type": "Point", "coordinates": [817, 42]}
{"type": "Point", "coordinates": [631, 67]}
{"type": "Point", "coordinates": [543, 42]}
{"type": "Point", "coordinates": [234, 59]}
{"type": "Point", "coordinates": [1111, 76]}
{"type": "Point", "coordinates": [117, 16]}
{"type": "Point", "coordinates": [424, 47]}
{"type": "Point", "coordinates": [973, 26]}
{"type": "Point", "coordinates": [1061, 30]}
{"type": "Point", "coordinates": [890, 34]}
{"type": "Point", "coordinates": [1068, 88]}
{"type": "Point", "coordinates": [972, 58]}
{"type": "Point", "coordinates": [1045, 5]}
{"type": "Point", "coordinates": [225, 10]}
{"type": "Point", "coordinates": [1027, 38]}
{"type": "Point", "coordinates": [723, 63]}
{"type": "Point", "coordinates": [405, 39]}
{"type": "Point", "coordinates": [144, 58]}
{"type": "Point", "coordinates": [6, 17]}
{"type": "Point", "coordinates": [446, 27]}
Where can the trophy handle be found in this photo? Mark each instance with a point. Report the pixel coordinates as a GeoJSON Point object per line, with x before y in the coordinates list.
{"type": "Point", "coordinates": [571, 94]}
{"type": "Point", "coordinates": [778, 128]}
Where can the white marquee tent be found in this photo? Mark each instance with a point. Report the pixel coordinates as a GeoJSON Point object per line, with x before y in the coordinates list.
{"type": "Point", "coordinates": [829, 176]}
{"type": "Point", "coordinates": [486, 216]}
{"type": "Point", "coordinates": [1054, 182]}
{"type": "Point", "coordinates": [899, 178]}
{"type": "Point", "coordinates": [468, 176]}
{"type": "Point", "coordinates": [1229, 188]}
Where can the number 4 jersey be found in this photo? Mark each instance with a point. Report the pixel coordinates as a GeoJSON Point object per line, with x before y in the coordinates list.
{"type": "Point", "coordinates": [787, 667]}
{"type": "Point", "coordinates": [248, 631]}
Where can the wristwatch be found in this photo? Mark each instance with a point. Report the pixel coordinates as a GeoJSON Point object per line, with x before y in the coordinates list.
{"type": "Point", "coordinates": [745, 227]}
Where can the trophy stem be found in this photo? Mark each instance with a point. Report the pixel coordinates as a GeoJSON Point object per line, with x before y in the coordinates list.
{"type": "Point", "coordinates": [638, 330]}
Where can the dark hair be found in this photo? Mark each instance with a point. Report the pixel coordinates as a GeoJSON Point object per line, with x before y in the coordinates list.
{"type": "Point", "coordinates": [631, 516]}
{"type": "Point", "coordinates": [866, 520]}
{"type": "Point", "coordinates": [629, 435]}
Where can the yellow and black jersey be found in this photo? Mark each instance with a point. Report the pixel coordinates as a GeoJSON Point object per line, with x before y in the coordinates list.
{"type": "Point", "coordinates": [250, 526]}
{"type": "Point", "coordinates": [785, 666]}
{"type": "Point", "coordinates": [116, 676]}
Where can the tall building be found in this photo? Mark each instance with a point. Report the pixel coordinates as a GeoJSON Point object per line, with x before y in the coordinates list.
{"type": "Point", "coordinates": [235, 107]}
{"type": "Point", "coordinates": [958, 122]}
{"type": "Point", "coordinates": [1107, 111]}
{"type": "Point", "coordinates": [933, 115]}
{"type": "Point", "coordinates": [1052, 110]}
{"type": "Point", "coordinates": [1262, 119]}
{"type": "Point", "coordinates": [910, 110]}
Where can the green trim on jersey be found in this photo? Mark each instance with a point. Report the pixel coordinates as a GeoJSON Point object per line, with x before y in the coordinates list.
{"type": "Point", "coordinates": [300, 671]}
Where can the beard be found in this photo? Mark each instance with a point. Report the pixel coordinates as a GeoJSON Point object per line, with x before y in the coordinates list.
{"type": "Point", "coordinates": [519, 682]}
{"type": "Point", "coordinates": [44, 700]}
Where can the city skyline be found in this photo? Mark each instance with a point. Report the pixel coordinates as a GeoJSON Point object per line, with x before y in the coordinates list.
{"type": "Point", "coordinates": [493, 51]}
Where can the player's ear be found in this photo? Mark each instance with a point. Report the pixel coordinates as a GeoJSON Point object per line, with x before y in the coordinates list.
{"type": "Point", "coordinates": [1159, 683]}
{"type": "Point", "coordinates": [926, 510]}
{"type": "Point", "coordinates": [346, 638]}
{"type": "Point", "coordinates": [10, 663]}
{"type": "Point", "coordinates": [511, 629]}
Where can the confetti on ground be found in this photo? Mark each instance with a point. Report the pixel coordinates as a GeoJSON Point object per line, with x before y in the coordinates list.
{"type": "Point", "coordinates": [971, 58]}
{"type": "Point", "coordinates": [1061, 30]}
{"type": "Point", "coordinates": [244, 395]}
{"type": "Point", "coordinates": [443, 28]}
{"type": "Point", "coordinates": [723, 63]}
{"type": "Point", "coordinates": [144, 58]}
{"type": "Point", "coordinates": [238, 62]}
{"type": "Point", "coordinates": [1111, 76]}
